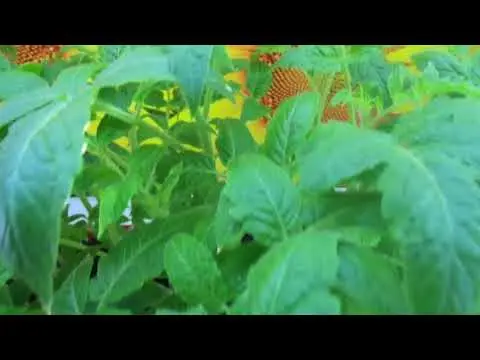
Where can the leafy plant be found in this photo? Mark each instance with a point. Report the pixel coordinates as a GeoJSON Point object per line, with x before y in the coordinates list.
{"type": "Point", "coordinates": [378, 214]}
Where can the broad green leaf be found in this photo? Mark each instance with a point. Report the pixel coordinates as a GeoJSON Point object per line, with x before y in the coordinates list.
{"type": "Point", "coordinates": [114, 200]}
{"type": "Point", "coordinates": [446, 125]}
{"type": "Point", "coordinates": [4, 63]}
{"type": "Point", "coordinates": [193, 273]}
{"type": "Point", "coordinates": [447, 65]}
{"type": "Point", "coordinates": [25, 103]}
{"type": "Point", "coordinates": [15, 82]}
{"type": "Point", "coordinates": [39, 159]}
{"type": "Point", "coordinates": [259, 79]}
{"type": "Point", "coordinates": [120, 97]}
{"type": "Point", "coordinates": [4, 275]}
{"type": "Point", "coordinates": [372, 72]}
{"type": "Point", "coordinates": [262, 199]}
{"type": "Point", "coordinates": [128, 266]}
{"type": "Point", "coordinates": [190, 64]}
{"type": "Point", "coordinates": [436, 215]}
{"type": "Point", "coordinates": [93, 179]}
{"type": "Point", "coordinates": [150, 296]}
{"type": "Point", "coordinates": [234, 265]}
{"type": "Point", "coordinates": [139, 65]}
{"type": "Point", "coordinates": [187, 133]}
{"type": "Point", "coordinates": [221, 61]}
{"type": "Point", "coordinates": [290, 125]}
{"type": "Point", "coordinates": [228, 231]}
{"type": "Point", "coordinates": [234, 139]}
{"type": "Point", "coordinates": [113, 311]}
{"type": "Point", "coordinates": [72, 296]}
{"type": "Point", "coordinates": [317, 58]}
{"type": "Point", "coordinates": [475, 70]}
{"type": "Point", "coordinates": [73, 80]}
{"type": "Point", "coordinates": [293, 277]}
{"type": "Point", "coordinates": [337, 151]}
{"type": "Point", "coordinates": [196, 310]}
{"type": "Point", "coordinates": [370, 283]}
{"type": "Point", "coordinates": [110, 53]}
{"type": "Point", "coordinates": [355, 216]}
{"type": "Point", "coordinates": [217, 83]}
{"type": "Point", "coordinates": [110, 129]}
{"type": "Point", "coordinates": [5, 297]}
{"type": "Point", "coordinates": [253, 110]}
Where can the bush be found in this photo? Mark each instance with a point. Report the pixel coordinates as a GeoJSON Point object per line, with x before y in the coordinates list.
{"type": "Point", "coordinates": [360, 195]}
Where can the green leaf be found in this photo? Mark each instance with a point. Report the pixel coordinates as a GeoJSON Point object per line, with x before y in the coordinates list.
{"type": "Point", "coordinates": [15, 82]}
{"type": "Point", "coordinates": [221, 62]}
{"type": "Point", "coordinates": [39, 159]}
{"type": "Point", "coordinates": [253, 110]}
{"type": "Point", "coordinates": [337, 151]}
{"type": "Point", "coordinates": [139, 65]}
{"type": "Point", "coordinates": [196, 310]}
{"type": "Point", "coordinates": [193, 272]}
{"type": "Point", "coordinates": [25, 103]}
{"type": "Point", "coordinates": [293, 277]}
{"type": "Point", "coordinates": [72, 296]}
{"type": "Point", "coordinates": [113, 311]}
{"type": "Point", "coordinates": [447, 65]}
{"type": "Point", "coordinates": [217, 83]}
{"type": "Point", "coordinates": [372, 72]}
{"type": "Point", "coordinates": [114, 200]}
{"type": "Point", "coordinates": [261, 198]}
{"type": "Point", "coordinates": [4, 63]}
{"type": "Point", "coordinates": [355, 216]}
{"type": "Point", "coordinates": [234, 139]}
{"type": "Point", "coordinates": [259, 79]}
{"type": "Point", "coordinates": [447, 126]}
{"type": "Point", "coordinates": [290, 125]}
{"type": "Point", "coordinates": [370, 282]}
{"type": "Point", "coordinates": [5, 297]}
{"type": "Point", "coordinates": [110, 53]}
{"type": "Point", "coordinates": [5, 275]}
{"type": "Point", "coordinates": [235, 264]}
{"type": "Point", "coordinates": [436, 215]}
{"type": "Point", "coordinates": [317, 58]}
{"type": "Point", "coordinates": [73, 80]}
{"type": "Point", "coordinates": [475, 70]}
{"type": "Point", "coordinates": [191, 64]}
{"type": "Point", "coordinates": [135, 260]}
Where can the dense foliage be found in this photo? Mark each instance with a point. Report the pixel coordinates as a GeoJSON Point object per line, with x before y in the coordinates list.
{"type": "Point", "coordinates": [376, 214]}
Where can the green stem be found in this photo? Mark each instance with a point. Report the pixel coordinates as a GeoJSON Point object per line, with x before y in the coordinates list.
{"type": "Point", "coordinates": [72, 244]}
{"type": "Point", "coordinates": [205, 134]}
{"type": "Point", "coordinates": [132, 120]}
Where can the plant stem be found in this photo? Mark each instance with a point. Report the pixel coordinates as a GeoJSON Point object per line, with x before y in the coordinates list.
{"type": "Point", "coordinates": [205, 134]}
